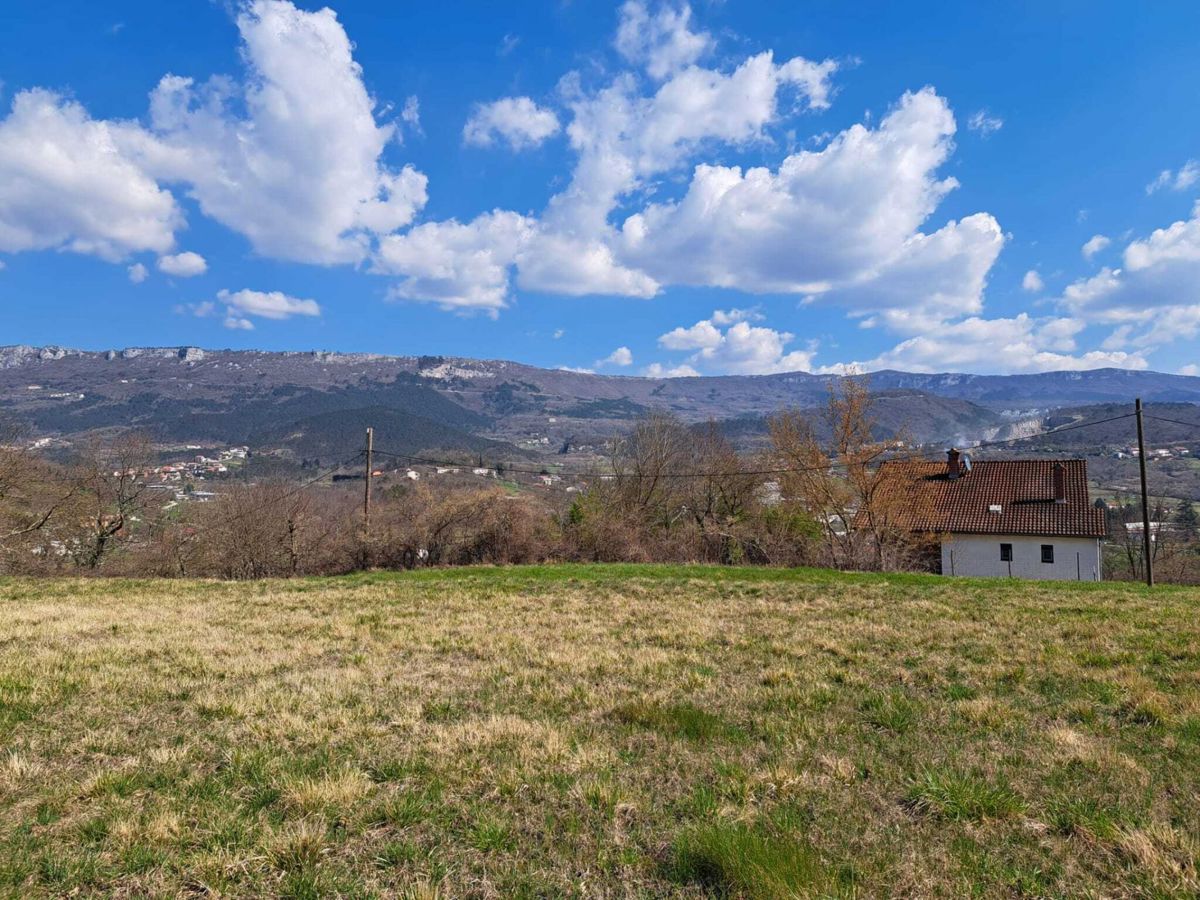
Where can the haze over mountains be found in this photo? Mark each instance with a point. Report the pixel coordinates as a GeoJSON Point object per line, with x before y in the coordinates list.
{"type": "Point", "coordinates": [316, 404]}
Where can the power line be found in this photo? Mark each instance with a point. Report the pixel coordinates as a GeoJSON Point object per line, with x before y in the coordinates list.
{"type": "Point", "coordinates": [418, 460]}
{"type": "Point", "coordinates": [280, 498]}
{"type": "Point", "coordinates": [508, 469]}
{"type": "Point", "coordinates": [1055, 431]}
{"type": "Point", "coordinates": [1173, 421]}
{"type": "Point", "coordinates": [797, 470]}
{"type": "Point", "coordinates": [425, 461]}
{"type": "Point", "coordinates": [983, 445]}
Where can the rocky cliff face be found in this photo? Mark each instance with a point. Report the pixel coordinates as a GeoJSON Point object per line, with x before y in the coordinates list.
{"type": "Point", "coordinates": [21, 354]}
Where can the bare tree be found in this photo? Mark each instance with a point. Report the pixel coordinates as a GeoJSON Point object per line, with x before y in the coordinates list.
{"type": "Point", "coordinates": [1120, 515]}
{"type": "Point", "coordinates": [433, 526]}
{"type": "Point", "coordinates": [719, 495]}
{"type": "Point", "coordinates": [839, 484]}
{"type": "Point", "coordinates": [33, 493]}
{"type": "Point", "coordinates": [274, 530]}
{"type": "Point", "coordinates": [109, 484]}
{"type": "Point", "coordinates": [643, 463]}
{"type": "Point", "coordinates": [676, 493]}
{"type": "Point", "coordinates": [811, 477]}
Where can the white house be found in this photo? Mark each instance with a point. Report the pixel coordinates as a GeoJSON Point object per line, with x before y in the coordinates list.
{"type": "Point", "coordinates": [1021, 518]}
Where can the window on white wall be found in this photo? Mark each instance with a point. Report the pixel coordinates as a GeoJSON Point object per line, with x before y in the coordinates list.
{"type": "Point", "coordinates": [1006, 553]}
{"type": "Point", "coordinates": [1047, 553]}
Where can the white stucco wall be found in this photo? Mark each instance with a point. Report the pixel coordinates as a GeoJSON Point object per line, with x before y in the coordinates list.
{"type": "Point", "coordinates": [1075, 559]}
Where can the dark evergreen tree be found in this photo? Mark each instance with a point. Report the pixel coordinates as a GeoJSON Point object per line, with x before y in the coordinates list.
{"type": "Point", "coordinates": [1188, 519]}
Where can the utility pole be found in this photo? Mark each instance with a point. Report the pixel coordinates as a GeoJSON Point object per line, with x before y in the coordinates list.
{"type": "Point", "coordinates": [1146, 554]}
{"type": "Point", "coordinates": [367, 486]}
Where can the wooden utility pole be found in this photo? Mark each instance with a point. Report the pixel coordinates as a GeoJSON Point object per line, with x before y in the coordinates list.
{"type": "Point", "coordinates": [367, 486]}
{"type": "Point", "coordinates": [1147, 556]}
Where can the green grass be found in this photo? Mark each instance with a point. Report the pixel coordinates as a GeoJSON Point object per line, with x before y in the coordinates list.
{"type": "Point", "coordinates": [962, 797]}
{"type": "Point", "coordinates": [599, 730]}
{"type": "Point", "coordinates": [679, 719]}
{"type": "Point", "coordinates": [740, 860]}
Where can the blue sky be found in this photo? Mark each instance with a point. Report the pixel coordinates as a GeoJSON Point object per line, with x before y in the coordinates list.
{"type": "Point", "coordinates": [630, 188]}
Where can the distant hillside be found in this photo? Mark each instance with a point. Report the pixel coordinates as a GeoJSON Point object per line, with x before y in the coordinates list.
{"type": "Point", "coordinates": [921, 416]}
{"type": "Point", "coordinates": [1050, 390]}
{"type": "Point", "coordinates": [1119, 433]}
{"type": "Point", "coordinates": [1105, 437]}
{"type": "Point", "coordinates": [267, 399]}
{"type": "Point", "coordinates": [337, 434]}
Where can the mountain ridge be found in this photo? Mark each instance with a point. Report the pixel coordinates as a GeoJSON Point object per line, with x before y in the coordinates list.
{"type": "Point", "coordinates": [13, 355]}
{"type": "Point", "coordinates": [186, 392]}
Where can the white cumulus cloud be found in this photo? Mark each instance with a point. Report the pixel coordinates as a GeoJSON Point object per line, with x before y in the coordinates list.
{"type": "Point", "coordinates": [727, 344]}
{"type": "Point", "coordinates": [622, 356]}
{"type": "Point", "coordinates": [662, 41]}
{"type": "Point", "coordinates": [1153, 298]}
{"type": "Point", "coordinates": [1032, 282]}
{"type": "Point", "coordinates": [518, 121]}
{"type": "Point", "coordinates": [241, 305]}
{"type": "Point", "coordinates": [622, 138]}
{"type": "Point", "coordinates": [1003, 345]}
{"type": "Point", "coordinates": [658, 370]}
{"type": "Point", "coordinates": [183, 265]}
{"type": "Point", "coordinates": [299, 171]}
{"type": "Point", "coordinates": [843, 221]}
{"type": "Point", "coordinates": [459, 267]}
{"type": "Point", "coordinates": [66, 182]}
{"type": "Point", "coordinates": [137, 273]}
{"type": "Point", "coordinates": [845, 224]}
{"type": "Point", "coordinates": [1181, 179]}
{"type": "Point", "coordinates": [1095, 244]}
{"type": "Point", "coordinates": [561, 263]}
{"type": "Point", "coordinates": [290, 156]}
{"type": "Point", "coordinates": [730, 316]}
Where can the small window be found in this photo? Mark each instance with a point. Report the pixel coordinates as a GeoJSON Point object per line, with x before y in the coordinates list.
{"type": "Point", "coordinates": [1047, 553]}
{"type": "Point", "coordinates": [1006, 553]}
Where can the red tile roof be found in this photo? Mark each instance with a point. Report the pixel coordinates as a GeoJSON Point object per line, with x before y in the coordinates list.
{"type": "Point", "coordinates": [929, 500]}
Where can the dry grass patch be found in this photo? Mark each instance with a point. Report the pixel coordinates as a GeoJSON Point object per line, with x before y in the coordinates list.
{"type": "Point", "coordinates": [598, 731]}
{"type": "Point", "coordinates": [1170, 857]}
{"type": "Point", "coordinates": [335, 792]}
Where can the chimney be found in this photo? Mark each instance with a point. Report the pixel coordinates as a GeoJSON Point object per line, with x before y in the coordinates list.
{"type": "Point", "coordinates": [1060, 482]}
{"type": "Point", "coordinates": [953, 464]}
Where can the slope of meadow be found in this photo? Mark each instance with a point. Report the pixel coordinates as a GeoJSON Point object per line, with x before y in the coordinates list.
{"type": "Point", "coordinates": [599, 731]}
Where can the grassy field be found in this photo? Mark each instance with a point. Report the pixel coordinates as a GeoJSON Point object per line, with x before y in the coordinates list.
{"type": "Point", "coordinates": [599, 731]}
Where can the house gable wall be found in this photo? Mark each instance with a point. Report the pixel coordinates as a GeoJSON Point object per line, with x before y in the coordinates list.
{"type": "Point", "coordinates": [1075, 559]}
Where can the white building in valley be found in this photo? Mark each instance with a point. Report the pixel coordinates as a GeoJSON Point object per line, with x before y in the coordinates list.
{"type": "Point", "coordinates": [1024, 518]}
